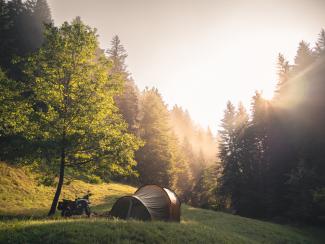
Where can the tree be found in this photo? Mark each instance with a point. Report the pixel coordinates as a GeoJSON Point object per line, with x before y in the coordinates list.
{"type": "Point", "coordinates": [6, 24]}
{"type": "Point", "coordinates": [41, 15]}
{"type": "Point", "coordinates": [42, 12]}
{"type": "Point", "coordinates": [320, 44]}
{"type": "Point", "coordinates": [181, 172]}
{"type": "Point", "coordinates": [118, 55]}
{"type": "Point", "coordinates": [155, 159]}
{"type": "Point", "coordinates": [271, 163]}
{"type": "Point", "coordinates": [204, 189]}
{"type": "Point", "coordinates": [77, 123]}
{"type": "Point", "coordinates": [14, 118]}
{"type": "Point", "coordinates": [128, 104]}
{"type": "Point", "coordinates": [22, 27]}
{"type": "Point", "coordinates": [283, 69]}
{"type": "Point", "coordinates": [229, 185]}
{"type": "Point", "coordinates": [128, 100]}
{"type": "Point", "coordinates": [189, 155]}
{"type": "Point", "coordinates": [304, 56]}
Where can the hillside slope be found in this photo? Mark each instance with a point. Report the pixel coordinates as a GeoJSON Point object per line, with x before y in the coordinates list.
{"type": "Point", "coordinates": [20, 195]}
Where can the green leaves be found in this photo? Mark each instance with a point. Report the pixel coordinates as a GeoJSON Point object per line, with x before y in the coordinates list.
{"type": "Point", "coordinates": [72, 81]}
{"type": "Point", "coordinates": [14, 108]}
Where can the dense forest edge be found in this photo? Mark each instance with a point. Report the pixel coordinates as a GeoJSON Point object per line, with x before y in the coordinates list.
{"type": "Point", "coordinates": [70, 110]}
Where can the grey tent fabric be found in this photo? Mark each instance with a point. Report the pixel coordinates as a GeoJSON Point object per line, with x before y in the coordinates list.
{"type": "Point", "coordinates": [150, 202]}
{"type": "Point", "coordinates": [130, 207]}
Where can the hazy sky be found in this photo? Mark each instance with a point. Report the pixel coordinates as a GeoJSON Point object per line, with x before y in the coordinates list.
{"type": "Point", "coordinates": [199, 54]}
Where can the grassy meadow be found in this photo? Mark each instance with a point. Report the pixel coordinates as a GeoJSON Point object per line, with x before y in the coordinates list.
{"type": "Point", "coordinates": [24, 204]}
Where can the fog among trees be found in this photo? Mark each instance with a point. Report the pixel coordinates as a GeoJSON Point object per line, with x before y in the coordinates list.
{"type": "Point", "coordinates": [71, 110]}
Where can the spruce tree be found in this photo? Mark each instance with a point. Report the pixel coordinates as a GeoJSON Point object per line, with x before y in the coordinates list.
{"type": "Point", "coordinates": [304, 56]}
{"type": "Point", "coordinates": [42, 12]}
{"type": "Point", "coordinates": [230, 180]}
{"type": "Point", "coordinates": [128, 100]}
{"type": "Point", "coordinates": [155, 158]}
{"type": "Point", "coordinates": [320, 44]}
{"type": "Point", "coordinates": [283, 69]}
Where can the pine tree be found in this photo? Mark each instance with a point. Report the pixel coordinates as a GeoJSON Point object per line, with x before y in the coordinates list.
{"type": "Point", "coordinates": [181, 173]}
{"type": "Point", "coordinates": [155, 159]}
{"type": "Point", "coordinates": [6, 41]}
{"type": "Point", "coordinates": [41, 15]}
{"type": "Point", "coordinates": [283, 68]}
{"type": "Point", "coordinates": [320, 44]}
{"type": "Point", "coordinates": [230, 180]}
{"type": "Point", "coordinates": [245, 159]}
{"type": "Point", "coordinates": [118, 55]}
{"type": "Point", "coordinates": [259, 130]}
{"type": "Point", "coordinates": [128, 104]}
{"type": "Point", "coordinates": [21, 24]}
{"type": "Point", "coordinates": [304, 56]}
{"type": "Point", "coordinates": [190, 156]}
{"type": "Point", "coordinates": [128, 100]}
{"type": "Point", "coordinates": [42, 12]}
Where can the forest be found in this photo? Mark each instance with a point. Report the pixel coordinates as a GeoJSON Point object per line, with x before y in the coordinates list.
{"type": "Point", "coordinates": [72, 110]}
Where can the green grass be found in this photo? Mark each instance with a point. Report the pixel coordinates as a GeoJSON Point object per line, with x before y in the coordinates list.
{"type": "Point", "coordinates": [20, 195]}
{"type": "Point", "coordinates": [197, 225]}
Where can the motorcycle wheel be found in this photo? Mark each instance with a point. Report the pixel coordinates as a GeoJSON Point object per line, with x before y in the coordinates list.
{"type": "Point", "coordinates": [87, 211]}
{"type": "Point", "coordinates": [66, 213]}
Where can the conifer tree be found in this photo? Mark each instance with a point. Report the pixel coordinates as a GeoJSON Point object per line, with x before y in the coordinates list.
{"type": "Point", "coordinates": [283, 69]}
{"type": "Point", "coordinates": [14, 109]}
{"type": "Point", "coordinates": [320, 44]}
{"type": "Point", "coordinates": [181, 173]}
{"type": "Point", "coordinates": [6, 23]}
{"type": "Point", "coordinates": [155, 158]}
{"type": "Point", "coordinates": [128, 100]}
{"type": "Point", "coordinates": [304, 56]}
{"type": "Point", "coordinates": [41, 15]}
{"type": "Point", "coordinates": [230, 180]}
{"type": "Point", "coordinates": [42, 12]}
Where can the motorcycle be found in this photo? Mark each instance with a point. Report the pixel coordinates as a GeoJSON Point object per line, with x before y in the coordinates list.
{"type": "Point", "coordinates": [79, 206]}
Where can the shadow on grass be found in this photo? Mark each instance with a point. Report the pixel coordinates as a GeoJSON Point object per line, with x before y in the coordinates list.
{"type": "Point", "coordinates": [197, 226]}
{"type": "Point", "coordinates": [25, 214]}
{"type": "Point", "coordinates": [98, 230]}
{"type": "Point", "coordinates": [39, 214]}
{"type": "Point", "coordinates": [101, 230]}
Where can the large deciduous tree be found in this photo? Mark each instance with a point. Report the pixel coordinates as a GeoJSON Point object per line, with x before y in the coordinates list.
{"type": "Point", "coordinates": [75, 116]}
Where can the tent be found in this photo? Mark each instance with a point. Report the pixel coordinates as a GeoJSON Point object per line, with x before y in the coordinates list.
{"type": "Point", "coordinates": [149, 202]}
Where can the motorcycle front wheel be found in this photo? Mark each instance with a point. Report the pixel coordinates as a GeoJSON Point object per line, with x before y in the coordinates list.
{"type": "Point", "coordinates": [66, 213]}
{"type": "Point", "coordinates": [87, 211]}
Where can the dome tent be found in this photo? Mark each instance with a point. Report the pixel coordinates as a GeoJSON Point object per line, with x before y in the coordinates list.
{"type": "Point", "coordinates": [149, 202]}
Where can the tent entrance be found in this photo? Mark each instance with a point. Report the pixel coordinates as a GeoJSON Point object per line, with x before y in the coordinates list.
{"type": "Point", "coordinates": [149, 202]}
{"type": "Point", "coordinates": [130, 207]}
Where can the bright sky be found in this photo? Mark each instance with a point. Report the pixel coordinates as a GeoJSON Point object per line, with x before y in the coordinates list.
{"type": "Point", "coordinates": [201, 53]}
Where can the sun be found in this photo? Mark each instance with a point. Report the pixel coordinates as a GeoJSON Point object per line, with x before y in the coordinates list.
{"type": "Point", "coordinates": [267, 94]}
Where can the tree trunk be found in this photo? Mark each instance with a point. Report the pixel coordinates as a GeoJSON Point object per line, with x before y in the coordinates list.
{"type": "Point", "coordinates": [60, 184]}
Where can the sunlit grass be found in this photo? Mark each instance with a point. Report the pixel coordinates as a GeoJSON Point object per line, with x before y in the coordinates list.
{"type": "Point", "coordinates": [21, 195]}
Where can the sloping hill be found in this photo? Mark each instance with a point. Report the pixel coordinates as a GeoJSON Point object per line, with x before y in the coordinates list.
{"type": "Point", "coordinates": [20, 194]}
{"type": "Point", "coordinates": [197, 225]}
